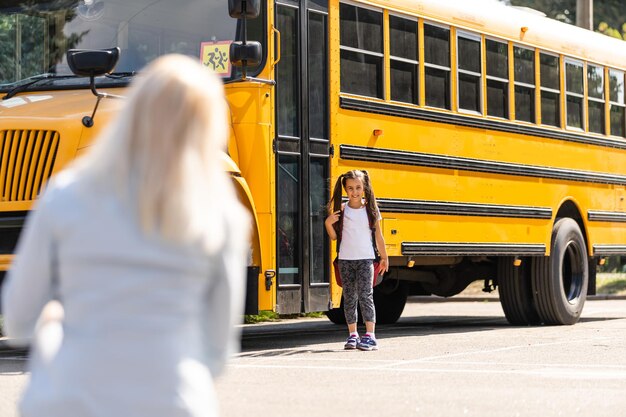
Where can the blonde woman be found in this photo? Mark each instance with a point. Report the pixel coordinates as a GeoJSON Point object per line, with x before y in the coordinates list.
{"type": "Point", "coordinates": [143, 243]}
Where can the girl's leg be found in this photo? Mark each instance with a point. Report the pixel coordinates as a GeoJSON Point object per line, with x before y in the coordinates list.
{"type": "Point", "coordinates": [364, 277]}
{"type": "Point", "coordinates": [350, 295]}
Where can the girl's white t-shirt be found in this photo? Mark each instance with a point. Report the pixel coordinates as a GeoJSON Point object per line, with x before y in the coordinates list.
{"type": "Point", "coordinates": [356, 236]}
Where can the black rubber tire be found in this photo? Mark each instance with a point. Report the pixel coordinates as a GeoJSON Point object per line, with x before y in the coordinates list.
{"type": "Point", "coordinates": [390, 298]}
{"type": "Point", "coordinates": [560, 281]}
{"type": "Point", "coordinates": [516, 294]}
{"type": "Point", "coordinates": [336, 315]}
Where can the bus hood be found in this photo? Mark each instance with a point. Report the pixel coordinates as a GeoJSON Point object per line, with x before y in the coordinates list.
{"type": "Point", "coordinates": [72, 104]}
{"type": "Point", "coordinates": [63, 111]}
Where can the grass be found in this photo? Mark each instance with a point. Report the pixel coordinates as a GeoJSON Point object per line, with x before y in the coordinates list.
{"type": "Point", "coordinates": [612, 284]}
{"type": "Point", "coordinates": [265, 316]}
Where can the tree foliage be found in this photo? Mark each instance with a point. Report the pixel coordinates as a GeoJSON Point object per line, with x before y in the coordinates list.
{"type": "Point", "coordinates": [609, 16]}
{"type": "Point", "coordinates": [32, 41]}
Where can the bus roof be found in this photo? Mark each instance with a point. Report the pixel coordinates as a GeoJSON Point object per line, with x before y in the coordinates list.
{"type": "Point", "coordinates": [496, 19]}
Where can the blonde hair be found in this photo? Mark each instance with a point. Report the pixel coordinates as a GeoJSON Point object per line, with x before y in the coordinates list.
{"type": "Point", "coordinates": [163, 156]}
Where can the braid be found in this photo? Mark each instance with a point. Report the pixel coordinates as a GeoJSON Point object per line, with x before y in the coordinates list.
{"type": "Point", "coordinates": [370, 199]}
{"type": "Point", "coordinates": [335, 201]}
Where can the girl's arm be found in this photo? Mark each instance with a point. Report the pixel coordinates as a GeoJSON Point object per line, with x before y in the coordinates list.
{"type": "Point", "coordinates": [380, 245]}
{"type": "Point", "coordinates": [330, 220]}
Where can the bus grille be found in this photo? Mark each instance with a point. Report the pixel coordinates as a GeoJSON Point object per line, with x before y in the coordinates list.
{"type": "Point", "coordinates": [27, 160]}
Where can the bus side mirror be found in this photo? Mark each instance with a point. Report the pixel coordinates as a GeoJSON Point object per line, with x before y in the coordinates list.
{"type": "Point", "coordinates": [243, 54]}
{"type": "Point", "coordinates": [247, 9]}
{"type": "Point", "coordinates": [92, 62]}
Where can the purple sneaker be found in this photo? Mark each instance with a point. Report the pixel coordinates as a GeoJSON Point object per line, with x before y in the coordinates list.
{"type": "Point", "coordinates": [351, 342]}
{"type": "Point", "coordinates": [367, 343]}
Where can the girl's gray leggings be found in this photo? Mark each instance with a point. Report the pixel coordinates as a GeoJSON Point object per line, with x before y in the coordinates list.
{"type": "Point", "coordinates": [356, 277]}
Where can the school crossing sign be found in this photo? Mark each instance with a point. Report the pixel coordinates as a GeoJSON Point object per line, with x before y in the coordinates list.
{"type": "Point", "coordinates": [215, 56]}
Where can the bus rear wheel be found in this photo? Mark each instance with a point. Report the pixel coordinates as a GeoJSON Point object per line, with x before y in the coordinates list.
{"type": "Point", "coordinates": [390, 298]}
{"type": "Point", "coordinates": [516, 294]}
{"type": "Point", "coordinates": [560, 281]}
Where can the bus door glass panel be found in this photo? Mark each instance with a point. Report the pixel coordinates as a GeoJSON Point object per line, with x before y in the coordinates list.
{"type": "Point", "coordinates": [288, 219]}
{"type": "Point", "coordinates": [318, 144]}
{"type": "Point", "coordinates": [288, 148]}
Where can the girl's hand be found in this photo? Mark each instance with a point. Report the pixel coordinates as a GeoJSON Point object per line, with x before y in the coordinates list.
{"type": "Point", "coordinates": [333, 218]}
{"type": "Point", "coordinates": [383, 266]}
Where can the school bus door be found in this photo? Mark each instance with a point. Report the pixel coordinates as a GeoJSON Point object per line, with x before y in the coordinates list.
{"type": "Point", "coordinates": [302, 147]}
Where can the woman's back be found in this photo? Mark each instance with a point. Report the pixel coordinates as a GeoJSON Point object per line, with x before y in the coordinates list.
{"type": "Point", "coordinates": [143, 243]}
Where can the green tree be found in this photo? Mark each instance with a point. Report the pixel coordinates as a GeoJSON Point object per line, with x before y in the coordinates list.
{"type": "Point", "coordinates": [42, 43]}
{"type": "Point", "coordinates": [609, 16]}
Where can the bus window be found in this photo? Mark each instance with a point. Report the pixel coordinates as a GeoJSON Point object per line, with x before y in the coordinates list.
{"type": "Point", "coordinates": [469, 72]}
{"type": "Point", "coordinates": [550, 90]}
{"type": "Point", "coordinates": [524, 76]}
{"type": "Point", "coordinates": [595, 101]}
{"type": "Point", "coordinates": [437, 66]}
{"type": "Point", "coordinates": [24, 45]}
{"type": "Point", "coordinates": [403, 59]}
{"type": "Point", "coordinates": [574, 94]}
{"type": "Point", "coordinates": [361, 44]}
{"type": "Point", "coordinates": [497, 79]}
{"type": "Point", "coordinates": [616, 99]}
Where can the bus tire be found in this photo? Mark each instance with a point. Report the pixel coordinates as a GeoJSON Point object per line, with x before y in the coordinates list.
{"type": "Point", "coordinates": [389, 299]}
{"type": "Point", "coordinates": [560, 281]}
{"type": "Point", "coordinates": [516, 294]}
{"type": "Point", "coordinates": [336, 315]}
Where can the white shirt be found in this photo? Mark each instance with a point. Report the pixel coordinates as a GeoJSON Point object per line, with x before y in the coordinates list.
{"type": "Point", "coordinates": [356, 236]}
{"type": "Point", "coordinates": [147, 326]}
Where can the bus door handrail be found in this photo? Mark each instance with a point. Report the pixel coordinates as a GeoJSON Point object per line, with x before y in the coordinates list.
{"type": "Point", "coordinates": [276, 45]}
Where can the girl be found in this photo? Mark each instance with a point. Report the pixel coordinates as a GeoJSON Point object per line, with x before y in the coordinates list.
{"type": "Point", "coordinates": [352, 225]}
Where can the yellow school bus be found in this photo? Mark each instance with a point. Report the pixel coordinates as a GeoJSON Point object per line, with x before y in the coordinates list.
{"type": "Point", "coordinates": [495, 137]}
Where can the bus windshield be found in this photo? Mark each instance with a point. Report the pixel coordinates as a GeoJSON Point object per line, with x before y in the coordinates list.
{"type": "Point", "coordinates": [35, 35]}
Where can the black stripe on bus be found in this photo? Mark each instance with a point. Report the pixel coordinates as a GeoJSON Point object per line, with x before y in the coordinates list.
{"type": "Point", "coordinates": [606, 216]}
{"type": "Point", "coordinates": [461, 248]}
{"type": "Point", "coordinates": [602, 250]}
{"type": "Point", "coordinates": [468, 121]}
{"type": "Point", "coordinates": [392, 156]}
{"type": "Point", "coordinates": [462, 209]}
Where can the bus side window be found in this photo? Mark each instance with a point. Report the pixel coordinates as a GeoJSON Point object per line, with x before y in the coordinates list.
{"type": "Point", "coordinates": [469, 72]}
{"type": "Point", "coordinates": [524, 65]}
{"type": "Point", "coordinates": [437, 66]}
{"type": "Point", "coordinates": [595, 100]}
{"type": "Point", "coordinates": [361, 45]}
{"type": "Point", "coordinates": [403, 59]}
{"type": "Point", "coordinates": [550, 90]}
{"type": "Point", "coordinates": [574, 94]}
{"type": "Point", "coordinates": [497, 78]}
{"type": "Point", "coordinates": [617, 104]}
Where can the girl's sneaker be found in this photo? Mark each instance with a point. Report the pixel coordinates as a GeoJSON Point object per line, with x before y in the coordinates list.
{"type": "Point", "coordinates": [367, 343]}
{"type": "Point", "coordinates": [352, 342]}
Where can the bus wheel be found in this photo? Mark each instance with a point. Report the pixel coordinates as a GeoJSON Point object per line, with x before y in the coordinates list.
{"type": "Point", "coordinates": [515, 289]}
{"type": "Point", "coordinates": [389, 298]}
{"type": "Point", "coordinates": [560, 281]}
{"type": "Point", "coordinates": [336, 315]}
